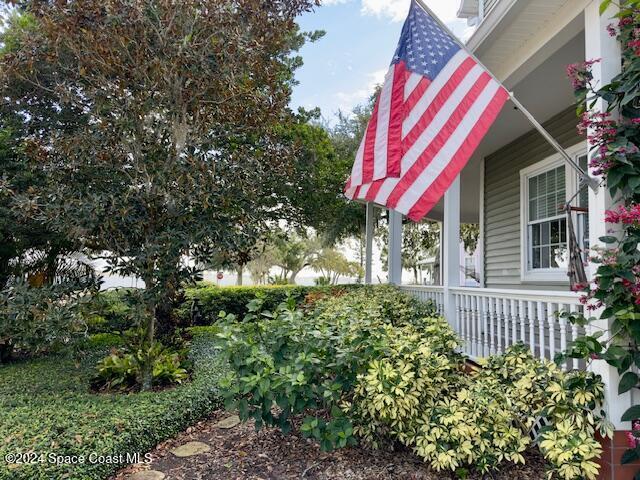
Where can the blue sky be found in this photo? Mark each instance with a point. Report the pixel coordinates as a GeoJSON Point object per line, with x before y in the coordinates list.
{"type": "Point", "coordinates": [342, 69]}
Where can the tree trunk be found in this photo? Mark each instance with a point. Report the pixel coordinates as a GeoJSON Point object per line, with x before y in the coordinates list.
{"type": "Point", "coordinates": [294, 274]}
{"type": "Point", "coordinates": [147, 366]}
{"type": "Point", "coordinates": [415, 275]}
{"type": "Point", "coordinates": [4, 271]}
{"type": "Point", "coordinates": [239, 272]}
{"type": "Point", "coordinates": [151, 310]}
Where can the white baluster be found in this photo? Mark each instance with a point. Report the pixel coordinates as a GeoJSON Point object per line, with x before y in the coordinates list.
{"type": "Point", "coordinates": [552, 331]}
{"type": "Point", "coordinates": [541, 324]}
{"type": "Point", "coordinates": [474, 325]}
{"type": "Point", "coordinates": [506, 312]}
{"type": "Point", "coordinates": [563, 334]}
{"type": "Point", "coordinates": [458, 319]}
{"type": "Point", "coordinates": [499, 322]}
{"type": "Point", "coordinates": [467, 304]}
{"type": "Point", "coordinates": [486, 349]}
{"type": "Point", "coordinates": [504, 325]}
{"type": "Point", "coordinates": [531, 315]}
{"type": "Point", "coordinates": [463, 322]}
{"type": "Point", "coordinates": [514, 321]}
{"type": "Point", "coordinates": [522, 315]}
{"type": "Point", "coordinates": [574, 333]}
{"type": "Point", "coordinates": [492, 327]}
{"type": "Point", "coordinates": [478, 318]}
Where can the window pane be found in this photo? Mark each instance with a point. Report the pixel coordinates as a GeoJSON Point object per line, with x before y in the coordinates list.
{"type": "Point", "coordinates": [544, 260]}
{"type": "Point", "coordinates": [533, 210]}
{"type": "Point", "coordinates": [560, 178]}
{"type": "Point", "coordinates": [552, 206]}
{"type": "Point", "coordinates": [533, 187]}
{"type": "Point", "coordinates": [542, 184]}
{"type": "Point", "coordinates": [535, 259]}
{"type": "Point", "coordinates": [555, 232]}
{"type": "Point", "coordinates": [547, 239]}
{"type": "Point", "coordinates": [535, 234]}
{"type": "Point", "coordinates": [542, 208]}
{"type": "Point", "coordinates": [557, 256]}
{"type": "Point", "coordinates": [545, 227]}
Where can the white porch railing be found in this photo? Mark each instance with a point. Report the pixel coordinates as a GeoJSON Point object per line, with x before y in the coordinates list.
{"type": "Point", "coordinates": [490, 320]}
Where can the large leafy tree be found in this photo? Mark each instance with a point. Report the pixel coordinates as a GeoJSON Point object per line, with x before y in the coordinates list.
{"type": "Point", "coordinates": [173, 145]}
{"type": "Point", "coordinates": [332, 264]}
{"type": "Point", "coordinates": [293, 253]}
{"type": "Point", "coordinates": [419, 242]}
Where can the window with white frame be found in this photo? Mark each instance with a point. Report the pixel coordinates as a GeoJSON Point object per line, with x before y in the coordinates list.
{"type": "Point", "coordinates": [545, 189]}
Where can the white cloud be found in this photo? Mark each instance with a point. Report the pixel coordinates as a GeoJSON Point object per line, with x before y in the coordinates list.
{"type": "Point", "coordinates": [346, 101]}
{"type": "Point", "coordinates": [394, 9]}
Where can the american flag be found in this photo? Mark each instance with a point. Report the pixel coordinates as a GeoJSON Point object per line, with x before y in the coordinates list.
{"type": "Point", "coordinates": [434, 108]}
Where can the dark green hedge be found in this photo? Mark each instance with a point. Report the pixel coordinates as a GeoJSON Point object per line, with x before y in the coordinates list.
{"type": "Point", "coordinates": [110, 312]}
{"type": "Point", "coordinates": [211, 300]}
{"type": "Point", "coordinates": [46, 407]}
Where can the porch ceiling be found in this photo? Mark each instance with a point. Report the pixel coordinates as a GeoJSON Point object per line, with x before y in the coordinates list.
{"type": "Point", "coordinates": [515, 32]}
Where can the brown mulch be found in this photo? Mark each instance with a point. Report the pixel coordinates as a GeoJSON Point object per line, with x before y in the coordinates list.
{"type": "Point", "coordinates": [241, 453]}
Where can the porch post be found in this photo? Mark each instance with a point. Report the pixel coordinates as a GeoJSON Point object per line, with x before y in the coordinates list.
{"type": "Point", "coordinates": [368, 258]}
{"type": "Point", "coordinates": [599, 44]}
{"type": "Point", "coordinates": [395, 247]}
{"type": "Point", "coordinates": [451, 249]}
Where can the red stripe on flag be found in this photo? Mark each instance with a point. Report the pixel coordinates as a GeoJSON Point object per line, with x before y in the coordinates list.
{"type": "Point", "coordinates": [373, 190]}
{"type": "Point", "coordinates": [396, 117]}
{"type": "Point", "coordinates": [348, 184]}
{"type": "Point", "coordinates": [370, 146]}
{"type": "Point", "coordinates": [416, 95]}
{"type": "Point", "coordinates": [436, 190]}
{"type": "Point", "coordinates": [439, 141]}
{"type": "Point", "coordinates": [438, 102]}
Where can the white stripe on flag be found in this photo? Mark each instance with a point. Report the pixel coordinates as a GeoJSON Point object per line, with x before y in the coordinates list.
{"type": "Point", "coordinates": [382, 127]}
{"type": "Point", "coordinates": [445, 155]}
{"type": "Point", "coordinates": [431, 132]}
{"type": "Point", "coordinates": [412, 83]}
{"type": "Point", "coordinates": [356, 171]}
{"type": "Point", "coordinates": [430, 94]}
{"type": "Point", "coordinates": [363, 191]}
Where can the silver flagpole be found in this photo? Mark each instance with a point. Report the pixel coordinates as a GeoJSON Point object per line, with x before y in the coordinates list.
{"type": "Point", "coordinates": [589, 180]}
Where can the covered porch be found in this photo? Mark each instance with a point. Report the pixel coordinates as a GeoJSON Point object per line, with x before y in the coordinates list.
{"type": "Point", "coordinates": [518, 300]}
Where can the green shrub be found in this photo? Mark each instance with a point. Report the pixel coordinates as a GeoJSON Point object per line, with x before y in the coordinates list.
{"type": "Point", "coordinates": [37, 320]}
{"type": "Point", "coordinates": [211, 300]}
{"type": "Point", "coordinates": [312, 362]}
{"type": "Point", "coordinates": [111, 311]}
{"type": "Point", "coordinates": [122, 369]}
{"type": "Point", "coordinates": [374, 366]}
{"type": "Point", "coordinates": [571, 403]}
{"type": "Point", "coordinates": [46, 407]}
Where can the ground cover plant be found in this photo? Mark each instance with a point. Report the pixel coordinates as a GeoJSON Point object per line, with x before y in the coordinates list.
{"type": "Point", "coordinates": [46, 406]}
{"type": "Point", "coordinates": [374, 366]}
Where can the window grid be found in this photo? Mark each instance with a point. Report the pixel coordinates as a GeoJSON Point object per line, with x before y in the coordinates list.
{"type": "Point", "coordinates": [547, 225]}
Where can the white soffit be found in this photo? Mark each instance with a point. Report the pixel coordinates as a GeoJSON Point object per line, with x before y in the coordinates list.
{"type": "Point", "coordinates": [469, 9]}
{"type": "Point", "coordinates": [518, 35]}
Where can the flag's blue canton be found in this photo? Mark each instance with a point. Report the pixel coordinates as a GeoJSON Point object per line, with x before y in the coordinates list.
{"type": "Point", "coordinates": [424, 46]}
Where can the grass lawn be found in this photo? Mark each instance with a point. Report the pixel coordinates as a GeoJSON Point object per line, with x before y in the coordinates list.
{"type": "Point", "coordinates": [49, 416]}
